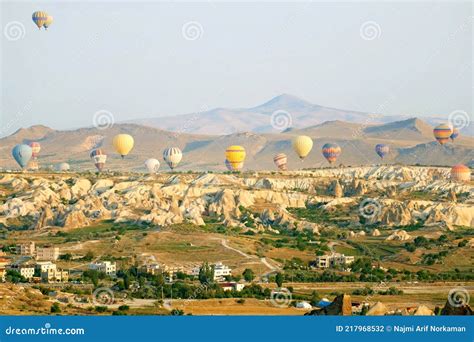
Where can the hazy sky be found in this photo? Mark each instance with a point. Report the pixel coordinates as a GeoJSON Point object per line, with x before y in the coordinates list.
{"type": "Point", "coordinates": [134, 60]}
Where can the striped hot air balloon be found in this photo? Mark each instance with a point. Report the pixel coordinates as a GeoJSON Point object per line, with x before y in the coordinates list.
{"type": "Point", "coordinates": [302, 145]}
{"type": "Point", "coordinates": [382, 150]}
{"type": "Point", "coordinates": [39, 18]}
{"type": "Point", "coordinates": [99, 157]}
{"type": "Point", "coordinates": [172, 156]}
{"type": "Point", "coordinates": [123, 144]}
{"type": "Point", "coordinates": [35, 148]}
{"type": "Point", "coordinates": [455, 134]}
{"type": "Point", "coordinates": [461, 173]}
{"type": "Point", "coordinates": [331, 152]}
{"type": "Point", "coordinates": [442, 133]}
{"type": "Point", "coordinates": [280, 161]}
{"type": "Point", "coordinates": [235, 155]}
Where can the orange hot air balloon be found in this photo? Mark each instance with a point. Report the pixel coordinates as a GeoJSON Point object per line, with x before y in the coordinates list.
{"type": "Point", "coordinates": [461, 173]}
{"type": "Point", "coordinates": [442, 133]}
{"type": "Point", "coordinates": [36, 148]}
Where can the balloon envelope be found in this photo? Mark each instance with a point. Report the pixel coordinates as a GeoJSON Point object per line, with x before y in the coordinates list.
{"type": "Point", "coordinates": [22, 154]}
{"type": "Point", "coordinates": [36, 148]}
{"type": "Point", "coordinates": [99, 157]}
{"type": "Point", "coordinates": [302, 145]}
{"type": "Point", "coordinates": [152, 165]}
{"type": "Point", "coordinates": [382, 150]}
{"type": "Point", "coordinates": [331, 152]}
{"type": "Point", "coordinates": [442, 133]}
{"type": "Point", "coordinates": [461, 173]}
{"type": "Point", "coordinates": [280, 161]}
{"type": "Point", "coordinates": [39, 18]}
{"type": "Point", "coordinates": [123, 144]}
{"type": "Point", "coordinates": [172, 156]}
{"type": "Point", "coordinates": [235, 155]}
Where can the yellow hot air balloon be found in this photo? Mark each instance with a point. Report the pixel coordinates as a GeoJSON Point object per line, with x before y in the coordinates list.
{"type": "Point", "coordinates": [48, 22]}
{"type": "Point", "coordinates": [302, 145]}
{"type": "Point", "coordinates": [39, 18]}
{"type": "Point", "coordinates": [123, 144]}
{"type": "Point", "coordinates": [235, 156]}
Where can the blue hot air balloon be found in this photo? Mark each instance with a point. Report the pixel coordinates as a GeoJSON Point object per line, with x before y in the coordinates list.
{"type": "Point", "coordinates": [22, 154]}
{"type": "Point", "coordinates": [382, 150]}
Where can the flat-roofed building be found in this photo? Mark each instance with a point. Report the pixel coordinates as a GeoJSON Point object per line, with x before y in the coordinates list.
{"type": "Point", "coordinates": [27, 248]}
{"type": "Point", "coordinates": [47, 253]}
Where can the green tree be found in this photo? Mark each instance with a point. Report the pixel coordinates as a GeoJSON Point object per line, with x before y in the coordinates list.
{"type": "Point", "coordinates": [206, 274]}
{"type": "Point", "coordinates": [55, 308]}
{"type": "Point", "coordinates": [279, 279]}
{"type": "Point", "coordinates": [248, 275]}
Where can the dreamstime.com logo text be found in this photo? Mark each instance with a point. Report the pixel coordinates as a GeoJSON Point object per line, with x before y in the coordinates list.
{"type": "Point", "coordinates": [46, 330]}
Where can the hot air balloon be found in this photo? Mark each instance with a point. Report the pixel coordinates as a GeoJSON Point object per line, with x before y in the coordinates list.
{"type": "Point", "coordinates": [172, 156]}
{"type": "Point", "coordinates": [123, 144]}
{"type": "Point", "coordinates": [22, 154]}
{"type": "Point", "coordinates": [461, 173]}
{"type": "Point", "coordinates": [302, 145]}
{"type": "Point", "coordinates": [234, 167]}
{"type": "Point", "coordinates": [48, 22]}
{"type": "Point", "coordinates": [280, 161]}
{"type": "Point", "coordinates": [331, 152]}
{"type": "Point", "coordinates": [63, 167]}
{"type": "Point", "coordinates": [39, 18]}
{"type": "Point", "coordinates": [36, 148]}
{"type": "Point", "coordinates": [152, 165]}
{"type": "Point", "coordinates": [235, 155]}
{"type": "Point", "coordinates": [442, 133]}
{"type": "Point", "coordinates": [455, 134]}
{"type": "Point", "coordinates": [382, 150]}
{"type": "Point", "coordinates": [99, 157]}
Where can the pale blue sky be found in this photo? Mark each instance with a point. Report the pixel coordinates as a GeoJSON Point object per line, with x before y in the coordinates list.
{"type": "Point", "coordinates": [131, 58]}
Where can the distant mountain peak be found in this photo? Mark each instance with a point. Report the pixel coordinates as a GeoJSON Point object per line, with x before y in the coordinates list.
{"type": "Point", "coordinates": [284, 102]}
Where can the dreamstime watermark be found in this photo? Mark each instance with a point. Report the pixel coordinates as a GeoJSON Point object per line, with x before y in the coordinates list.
{"type": "Point", "coordinates": [370, 30]}
{"type": "Point", "coordinates": [459, 119]}
{"type": "Point", "coordinates": [192, 30]}
{"type": "Point", "coordinates": [103, 296]}
{"type": "Point", "coordinates": [458, 297]}
{"type": "Point", "coordinates": [14, 30]}
{"type": "Point", "coordinates": [103, 119]}
{"type": "Point", "coordinates": [281, 297]}
{"type": "Point", "coordinates": [369, 208]}
{"type": "Point", "coordinates": [281, 120]}
{"type": "Point", "coordinates": [46, 330]}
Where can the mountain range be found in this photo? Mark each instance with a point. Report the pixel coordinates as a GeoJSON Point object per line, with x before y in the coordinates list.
{"type": "Point", "coordinates": [281, 112]}
{"type": "Point", "coordinates": [411, 142]}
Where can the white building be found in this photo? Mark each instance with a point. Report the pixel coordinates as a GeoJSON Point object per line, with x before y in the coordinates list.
{"type": "Point", "coordinates": [232, 286]}
{"type": "Point", "coordinates": [44, 266]}
{"type": "Point", "coordinates": [107, 267]}
{"type": "Point", "coordinates": [220, 271]}
{"type": "Point", "coordinates": [333, 260]}
{"type": "Point", "coordinates": [303, 305]}
{"type": "Point", "coordinates": [27, 271]}
{"type": "Point", "coordinates": [47, 253]}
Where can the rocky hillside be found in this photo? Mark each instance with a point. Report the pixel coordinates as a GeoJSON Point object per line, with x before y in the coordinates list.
{"type": "Point", "coordinates": [386, 196]}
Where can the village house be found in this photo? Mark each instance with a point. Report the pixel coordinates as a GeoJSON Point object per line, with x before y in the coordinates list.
{"type": "Point", "coordinates": [27, 271]}
{"type": "Point", "coordinates": [232, 286]}
{"type": "Point", "coordinates": [153, 269]}
{"type": "Point", "coordinates": [47, 253]}
{"type": "Point", "coordinates": [3, 270]}
{"type": "Point", "coordinates": [107, 267]}
{"type": "Point", "coordinates": [333, 260]}
{"type": "Point", "coordinates": [26, 249]}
